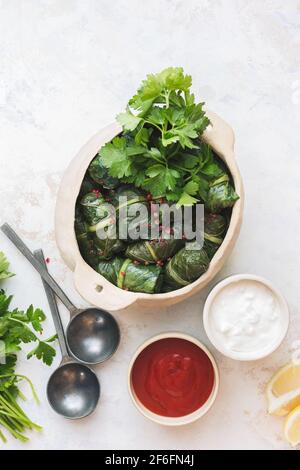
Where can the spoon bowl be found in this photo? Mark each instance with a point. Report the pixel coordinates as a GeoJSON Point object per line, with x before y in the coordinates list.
{"type": "Point", "coordinates": [93, 335]}
{"type": "Point", "coordinates": [73, 390]}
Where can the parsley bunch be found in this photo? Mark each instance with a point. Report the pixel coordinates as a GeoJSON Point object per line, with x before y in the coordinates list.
{"type": "Point", "coordinates": [160, 149]}
{"type": "Point", "coordinates": [4, 265]}
{"type": "Point", "coordinates": [17, 327]}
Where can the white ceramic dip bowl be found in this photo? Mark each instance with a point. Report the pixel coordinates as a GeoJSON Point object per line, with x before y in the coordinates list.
{"type": "Point", "coordinates": [245, 317]}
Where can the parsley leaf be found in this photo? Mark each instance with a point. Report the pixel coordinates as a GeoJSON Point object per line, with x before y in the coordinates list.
{"type": "Point", "coordinates": [4, 265]}
{"type": "Point", "coordinates": [157, 85]}
{"type": "Point", "coordinates": [44, 351]}
{"type": "Point", "coordinates": [128, 120]}
{"type": "Point", "coordinates": [35, 317]}
{"type": "Point", "coordinates": [186, 199]}
{"type": "Point", "coordinates": [117, 156]}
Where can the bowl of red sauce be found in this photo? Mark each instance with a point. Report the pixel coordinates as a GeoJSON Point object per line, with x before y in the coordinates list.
{"type": "Point", "coordinates": [173, 379]}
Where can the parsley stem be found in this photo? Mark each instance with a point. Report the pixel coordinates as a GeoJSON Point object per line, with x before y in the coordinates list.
{"type": "Point", "coordinates": [15, 414]}
{"type": "Point", "coordinates": [2, 437]}
{"type": "Point", "coordinates": [33, 391]}
{"type": "Point", "coordinates": [10, 409]}
{"type": "Point", "coordinates": [157, 159]}
{"type": "Point", "coordinates": [17, 409]}
{"type": "Point", "coordinates": [153, 124]}
{"type": "Point", "coordinates": [21, 423]}
{"type": "Point", "coordinates": [167, 98]}
{"type": "Point", "coordinates": [183, 169]}
{"type": "Point", "coordinates": [174, 151]}
{"type": "Point", "coordinates": [14, 433]}
{"type": "Point", "coordinates": [21, 395]}
{"type": "Point", "coordinates": [34, 394]}
{"type": "Point", "coordinates": [12, 406]}
{"type": "Point", "coordinates": [18, 426]}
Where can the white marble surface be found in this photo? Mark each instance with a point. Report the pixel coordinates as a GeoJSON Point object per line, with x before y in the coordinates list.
{"type": "Point", "coordinates": [66, 68]}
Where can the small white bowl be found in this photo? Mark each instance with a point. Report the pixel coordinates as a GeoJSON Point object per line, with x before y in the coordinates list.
{"type": "Point", "coordinates": [243, 355]}
{"type": "Point", "coordinates": [182, 420]}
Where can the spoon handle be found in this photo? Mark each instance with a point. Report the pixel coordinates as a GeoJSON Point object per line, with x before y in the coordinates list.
{"type": "Point", "coordinates": [16, 240]}
{"type": "Point", "coordinates": [39, 255]}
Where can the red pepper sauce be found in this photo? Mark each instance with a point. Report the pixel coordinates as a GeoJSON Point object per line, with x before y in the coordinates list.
{"type": "Point", "coordinates": [172, 377]}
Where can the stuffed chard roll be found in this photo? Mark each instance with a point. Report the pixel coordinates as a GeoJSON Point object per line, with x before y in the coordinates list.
{"type": "Point", "coordinates": [88, 251]}
{"type": "Point", "coordinates": [214, 228]}
{"type": "Point", "coordinates": [107, 247]}
{"type": "Point", "coordinates": [132, 212]}
{"type": "Point", "coordinates": [186, 266]}
{"type": "Point", "coordinates": [129, 276]}
{"type": "Point", "coordinates": [82, 235]}
{"type": "Point", "coordinates": [99, 174]}
{"type": "Point", "coordinates": [88, 185]}
{"type": "Point", "coordinates": [110, 269]}
{"type": "Point", "coordinates": [94, 208]}
{"type": "Point", "coordinates": [221, 194]}
{"type": "Point", "coordinates": [154, 251]}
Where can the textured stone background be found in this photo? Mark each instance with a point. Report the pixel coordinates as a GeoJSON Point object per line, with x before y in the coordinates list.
{"type": "Point", "coordinates": [66, 68]}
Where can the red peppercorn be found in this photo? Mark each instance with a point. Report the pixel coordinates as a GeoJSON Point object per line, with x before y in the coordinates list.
{"type": "Point", "coordinates": [47, 260]}
{"type": "Point", "coordinates": [96, 192]}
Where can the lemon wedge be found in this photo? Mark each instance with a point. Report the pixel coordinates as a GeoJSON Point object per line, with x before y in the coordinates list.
{"type": "Point", "coordinates": [283, 391]}
{"type": "Point", "coordinates": [292, 427]}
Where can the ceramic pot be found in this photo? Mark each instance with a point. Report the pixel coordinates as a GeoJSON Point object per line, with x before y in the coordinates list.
{"type": "Point", "coordinates": [94, 287]}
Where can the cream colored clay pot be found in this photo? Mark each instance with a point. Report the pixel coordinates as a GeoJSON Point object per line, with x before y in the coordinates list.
{"type": "Point", "coordinates": [94, 287]}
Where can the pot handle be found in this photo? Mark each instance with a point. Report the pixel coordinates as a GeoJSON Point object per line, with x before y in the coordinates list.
{"type": "Point", "coordinates": [220, 136]}
{"type": "Point", "coordinates": [98, 291]}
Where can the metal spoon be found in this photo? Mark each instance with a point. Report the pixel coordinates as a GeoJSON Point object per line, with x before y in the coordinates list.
{"type": "Point", "coordinates": [73, 390]}
{"type": "Point", "coordinates": [93, 334]}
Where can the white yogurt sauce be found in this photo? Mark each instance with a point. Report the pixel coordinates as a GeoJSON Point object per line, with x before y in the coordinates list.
{"type": "Point", "coordinates": [246, 317]}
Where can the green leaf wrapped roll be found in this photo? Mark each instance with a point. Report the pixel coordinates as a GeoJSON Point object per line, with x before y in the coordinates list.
{"type": "Point", "coordinates": [87, 186]}
{"type": "Point", "coordinates": [129, 210]}
{"type": "Point", "coordinates": [110, 269]}
{"type": "Point", "coordinates": [214, 228]}
{"type": "Point", "coordinates": [166, 288]}
{"type": "Point", "coordinates": [186, 266]}
{"type": "Point", "coordinates": [221, 194]}
{"type": "Point", "coordinates": [85, 243]}
{"type": "Point", "coordinates": [108, 247]}
{"type": "Point", "coordinates": [132, 277]}
{"type": "Point", "coordinates": [94, 207]}
{"type": "Point", "coordinates": [99, 174]}
{"type": "Point", "coordinates": [153, 251]}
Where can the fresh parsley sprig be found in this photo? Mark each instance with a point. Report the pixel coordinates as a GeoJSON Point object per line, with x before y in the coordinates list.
{"type": "Point", "coordinates": [160, 149]}
{"type": "Point", "coordinates": [4, 265]}
{"type": "Point", "coordinates": [16, 328]}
